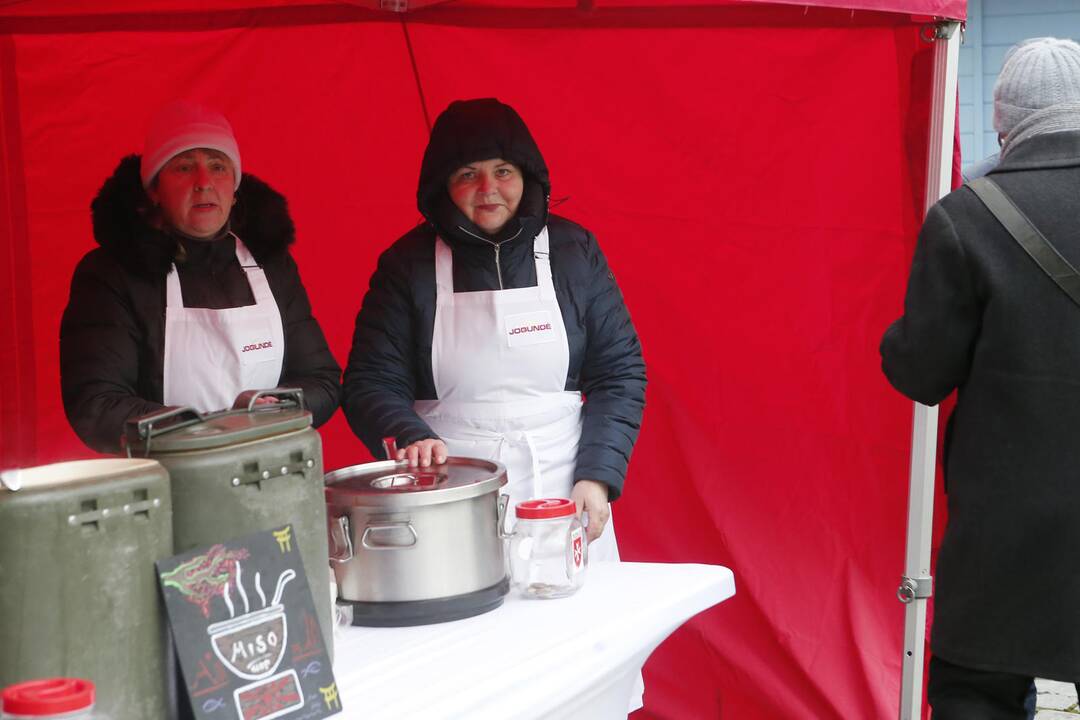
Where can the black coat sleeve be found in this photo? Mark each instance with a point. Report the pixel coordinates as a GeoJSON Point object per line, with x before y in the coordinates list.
{"type": "Point", "coordinates": [926, 354]}
{"type": "Point", "coordinates": [101, 347]}
{"type": "Point", "coordinates": [380, 384]}
{"type": "Point", "coordinates": [612, 380]}
{"type": "Point", "coordinates": [308, 364]}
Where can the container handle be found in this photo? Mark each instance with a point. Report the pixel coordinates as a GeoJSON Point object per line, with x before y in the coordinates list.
{"type": "Point", "coordinates": [143, 428]}
{"type": "Point", "coordinates": [370, 531]}
{"type": "Point", "coordinates": [247, 399]}
{"type": "Point", "coordinates": [341, 525]}
{"type": "Point", "coordinates": [504, 503]}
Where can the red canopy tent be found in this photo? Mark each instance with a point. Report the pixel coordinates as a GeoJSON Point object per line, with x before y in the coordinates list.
{"type": "Point", "coordinates": [754, 171]}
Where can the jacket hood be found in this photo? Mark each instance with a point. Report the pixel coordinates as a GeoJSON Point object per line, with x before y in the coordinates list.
{"type": "Point", "coordinates": [471, 130]}
{"type": "Point", "coordinates": [121, 214]}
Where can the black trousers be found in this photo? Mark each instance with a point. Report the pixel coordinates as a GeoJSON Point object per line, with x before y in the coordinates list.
{"type": "Point", "coordinates": [961, 693]}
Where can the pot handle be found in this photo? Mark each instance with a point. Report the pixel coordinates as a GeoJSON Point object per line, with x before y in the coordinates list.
{"type": "Point", "coordinates": [500, 519]}
{"type": "Point", "coordinates": [370, 531]}
{"type": "Point", "coordinates": [341, 525]}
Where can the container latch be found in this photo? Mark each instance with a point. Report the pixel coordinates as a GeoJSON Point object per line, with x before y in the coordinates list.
{"type": "Point", "coordinates": [143, 429]}
{"type": "Point", "coordinates": [254, 475]}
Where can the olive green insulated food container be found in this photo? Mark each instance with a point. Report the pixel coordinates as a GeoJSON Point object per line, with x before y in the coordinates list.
{"type": "Point", "coordinates": [242, 471]}
{"type": "Point", "coordinates": [78, 589]}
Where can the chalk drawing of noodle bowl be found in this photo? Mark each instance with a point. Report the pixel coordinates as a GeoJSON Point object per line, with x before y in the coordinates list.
{"type": "Point", "coordinates": [252, 645]}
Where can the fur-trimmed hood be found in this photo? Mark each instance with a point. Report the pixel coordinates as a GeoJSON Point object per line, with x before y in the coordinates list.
{"type": "Point", "coordinates": [121, 209]}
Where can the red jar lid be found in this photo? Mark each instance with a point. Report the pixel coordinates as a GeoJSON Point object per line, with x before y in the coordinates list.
{"type": "Point", "coordinates": [48, 697]}
{"type": "Point", "coordinates": [545, 508]}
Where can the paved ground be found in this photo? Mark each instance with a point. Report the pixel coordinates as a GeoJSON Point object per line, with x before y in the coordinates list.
{"type": "Point", "coordinates": [1057, 701]}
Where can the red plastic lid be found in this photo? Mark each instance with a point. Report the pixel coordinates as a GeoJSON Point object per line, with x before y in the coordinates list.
{"type": "Point", "coordinates": [48, 697]}
{"type": "Point", "coordinates": [545, 508]}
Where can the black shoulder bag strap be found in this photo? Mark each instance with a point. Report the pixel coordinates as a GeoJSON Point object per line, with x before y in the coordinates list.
{"type": "Point", "coordinates": [1028, 236]}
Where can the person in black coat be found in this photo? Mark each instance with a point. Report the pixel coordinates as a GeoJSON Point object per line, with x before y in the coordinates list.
{"type": "Point", "coordinates": [192, 296]}
{"type": "Point", "coordinates": [982, 318]}
{"type": "Point", "coordinates": [458, 344]}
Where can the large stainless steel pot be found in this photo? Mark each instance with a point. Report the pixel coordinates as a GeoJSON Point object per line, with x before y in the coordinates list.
{"type": "Point", "coordinates": [416, 545]}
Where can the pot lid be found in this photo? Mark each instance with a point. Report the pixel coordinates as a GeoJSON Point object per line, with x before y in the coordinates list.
{"type": "Point", "coordinates": [185, 430]}
{"type": "Point", "coordinates": [393, 484]}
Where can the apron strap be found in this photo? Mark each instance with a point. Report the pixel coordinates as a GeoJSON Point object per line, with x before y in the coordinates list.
{"type": "Point", "coordinates": [541, 252]}
{"type": "Point", "coordinates": [256, 276]}
{"type": "Point", "coordinates": [444, 271]}
{"type": "Point", "coordinates": [534, 457]}
{"type": "Point", "coordinates": [444, 268]}
{"type": "Point", "coordinates": [173, 297]}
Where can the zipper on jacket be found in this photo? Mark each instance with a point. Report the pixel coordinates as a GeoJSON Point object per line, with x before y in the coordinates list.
{"type": "Point", "coordinates": [496, 245]}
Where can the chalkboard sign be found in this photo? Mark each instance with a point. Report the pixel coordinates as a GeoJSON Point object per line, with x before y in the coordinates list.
{"type": "Point", "coordinates": [246, 631]}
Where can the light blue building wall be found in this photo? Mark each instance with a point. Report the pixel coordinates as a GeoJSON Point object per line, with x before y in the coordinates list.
{"type": "Point", "coordinates": [993, 26]}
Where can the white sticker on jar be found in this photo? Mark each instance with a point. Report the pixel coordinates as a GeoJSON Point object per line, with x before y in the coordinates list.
{"type": "Point", "coordinates": [524, 548]}
{"type": "Point", "coordinates": [577, 547]}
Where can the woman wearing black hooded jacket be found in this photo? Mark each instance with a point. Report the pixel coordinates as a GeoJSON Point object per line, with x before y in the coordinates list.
{"type": "Point", "coordinates": [484, 327]}
{"type": "Point", "coordinates": [192, 295]}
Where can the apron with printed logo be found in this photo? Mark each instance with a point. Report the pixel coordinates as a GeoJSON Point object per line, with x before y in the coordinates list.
{"type": "Point", "coordinates": [500, 360]}
{"type": "Point", "coordinates": [211, 356]}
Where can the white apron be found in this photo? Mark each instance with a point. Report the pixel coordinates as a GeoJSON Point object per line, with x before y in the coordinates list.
{"type": "Point", "coordinates": [211, 356]}
{"type": "Point", "coordinates": [499, 360]}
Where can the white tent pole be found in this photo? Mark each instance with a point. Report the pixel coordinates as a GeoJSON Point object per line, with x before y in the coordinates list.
{"type": "Point", "coordinates": [916, 585]}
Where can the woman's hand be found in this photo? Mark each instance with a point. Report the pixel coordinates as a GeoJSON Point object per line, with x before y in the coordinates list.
{"type": "Point", "coordinates": [422, 452]}
{"type": "Point", "coordinates": [592, 497]}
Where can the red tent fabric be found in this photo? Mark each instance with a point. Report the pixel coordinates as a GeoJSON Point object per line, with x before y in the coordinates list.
{"type": "Point", "coordinates": [754, 172]}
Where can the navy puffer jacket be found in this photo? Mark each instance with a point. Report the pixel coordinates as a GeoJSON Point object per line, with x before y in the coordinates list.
{"type": "Point", "coordinates": [390, 363]}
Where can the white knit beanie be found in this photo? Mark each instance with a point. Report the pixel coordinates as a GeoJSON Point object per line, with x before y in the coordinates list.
{"type": "Point", "coordinates": [1036, 74]}
{"type": "Point", "coordinates": [182, 126]}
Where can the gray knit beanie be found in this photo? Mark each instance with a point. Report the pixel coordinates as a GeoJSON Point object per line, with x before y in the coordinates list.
{"type": "Point", "coordinates": [1036, 73]}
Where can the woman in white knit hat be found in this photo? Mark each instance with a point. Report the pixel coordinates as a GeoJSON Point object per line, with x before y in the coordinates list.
{"type": "Point", "coordinates": [192, 296]}
{"type": "Point", "coordinates": [993, 312]}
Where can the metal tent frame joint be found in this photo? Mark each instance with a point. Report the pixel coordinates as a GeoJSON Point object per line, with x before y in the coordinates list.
{"type": "Point", "coordinates": [941, 30]}
{"type": "Point", "coordinates": [915, 588]}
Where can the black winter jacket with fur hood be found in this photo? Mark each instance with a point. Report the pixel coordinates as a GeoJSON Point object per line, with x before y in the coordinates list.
{"type": "Point", "coordinates": [112, 336]}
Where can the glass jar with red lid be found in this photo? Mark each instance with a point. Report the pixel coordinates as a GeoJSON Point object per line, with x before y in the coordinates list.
{"type": "Point", "coordinates": [548, 551]}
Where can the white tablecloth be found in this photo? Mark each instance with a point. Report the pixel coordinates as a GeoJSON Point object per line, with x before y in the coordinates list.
{"type": "Point", "coordinates": [575, 657]}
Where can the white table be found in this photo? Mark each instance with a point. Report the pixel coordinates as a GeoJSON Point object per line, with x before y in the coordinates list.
{"type": "Point", "coordinates": [572, 658]}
